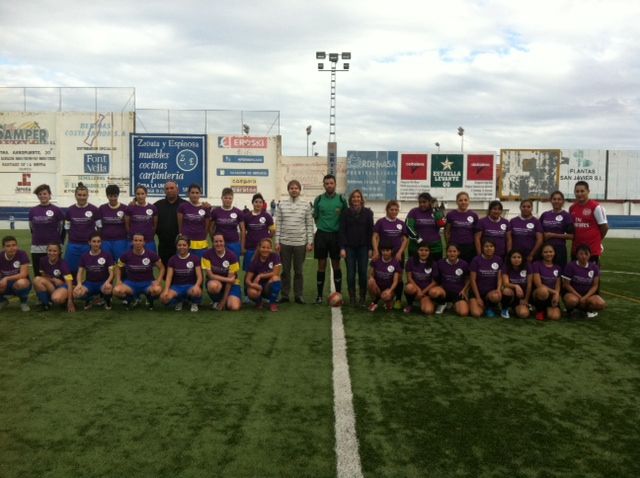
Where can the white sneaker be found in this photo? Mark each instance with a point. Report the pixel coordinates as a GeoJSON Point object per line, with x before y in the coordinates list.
{"type": "Point", "coordinates": [194, 308]}
{"type": "Point", "coordinates": [440, 308]}
{"type": "Point", "coordinates": [591, 315]}
{"type": "Point", "coordinates": [178, 307]}
{"type": "Point", "coordinates": [505, 314]}
{"type": "Point", "coordinates": [24, 307]}
{"type": "Point", "coordinates": [214, 306]}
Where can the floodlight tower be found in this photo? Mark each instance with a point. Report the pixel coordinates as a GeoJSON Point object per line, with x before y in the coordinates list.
{"type": "Point", "coordinates": [332, 147]}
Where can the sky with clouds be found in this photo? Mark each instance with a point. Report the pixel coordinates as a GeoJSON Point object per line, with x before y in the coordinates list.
{"type": "Point", "coordinates": [512, 73]}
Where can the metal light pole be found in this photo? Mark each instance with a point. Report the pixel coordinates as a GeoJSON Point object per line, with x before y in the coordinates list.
{"type": "Point", "coordinates": [308, 134]}
{"type": "Point", "coordinates": [438, 146]}
{"type": "Point", "coordinates": [332, 146]}
{"type": "Point", "coordinates": [313, 147]}
{"type": "Point", "coordinates": [461, 134]}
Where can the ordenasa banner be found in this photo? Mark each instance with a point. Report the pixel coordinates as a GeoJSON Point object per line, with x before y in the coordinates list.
{"type": "Point", "coordinates": [158, 158]}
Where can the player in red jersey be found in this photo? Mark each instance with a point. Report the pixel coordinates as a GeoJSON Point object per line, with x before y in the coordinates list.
{"type": "Point", "coordinates": [590, 221]}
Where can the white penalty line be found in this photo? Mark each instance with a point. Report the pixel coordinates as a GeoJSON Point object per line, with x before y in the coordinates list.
{"type": "Point", "coordinates": [348, 463]}
{"type": "Point", "coordinates": [605, 271]}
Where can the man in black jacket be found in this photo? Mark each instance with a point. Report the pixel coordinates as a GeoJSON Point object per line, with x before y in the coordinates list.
{"type": "Point", "coordinates": [167, 229]}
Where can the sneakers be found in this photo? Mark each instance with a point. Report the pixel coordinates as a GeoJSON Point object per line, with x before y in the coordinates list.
{"type": "Point", "coordinates": [397, 305]}
{"type": "Point", "coordinates": [505, 314]}
{"type": "Point", "coordinates": [440, 309]}
{"type": "Point", "coordinates": [591, 315]}
{"type": "Point", "coordinates": [246, 300]}
{"type": "Point", "coordinates": [300, 300]}
{"type": "Point", "coordinates": [178, 307]}
{"type": "Point", "coordinates": [373, 306]}
{"type": "Point", "coordinates": [490, 313]}
{"type": "Point", "coordinates": [318, 300]}
{"type": "Point", "coordinates": [273, 307]}
{"type": "Point", "coordinates": [194, 308]}
{"type": "Point", "coordinates": [24, 307]}
{"type": "Point", "coordinates": [390, 306]}
{"type": "Point", "coordinates": [407, 309]}
{"type": "Point", "coordinates": [540, 315]}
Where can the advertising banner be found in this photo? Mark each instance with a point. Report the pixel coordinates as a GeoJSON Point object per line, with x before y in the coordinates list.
{"type": "Point", "coordinates": [481, 178]}
{"type": "Point", "coordinates": [375, 173]}
{"type": "Point", "coordinates": [528, 173]}
{"type": "Point", "coordinates": [28, 142]}
{"type": "Point", "coordinates": [309, 171]}
{"type": "Point", "coordinates": [584, 165]}
{"type": "Point", "coordinates": [156, 159]}
{"type": "Point", "coordinates": [447, 170]}
{"type": "Point", "coordinates": [412, 178]}
{"type": "Point", "coordinates": [622, 180]}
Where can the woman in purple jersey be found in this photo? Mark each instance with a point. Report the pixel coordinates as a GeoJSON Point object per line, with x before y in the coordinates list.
{"type": "Point", "coordinates": [14, 273]}
{"type": "Point", "coordinates": [95, 274]}
{"type": "Point", "coordinates": [142, 218]}
{"type": "Point", "coordinates": [222, 269]}
{"type": "Point", "coordinates": [392, 230]}
{"type": "Point", "coordinates": [258, 225]}
{"type": "Point", "coordinates": [46, 222]}
{"type": "Point", "coordinates": [138, 263]}
{"type": "Point", "coordinates": [385, 277]}
{"type": "Point", "coordinates": [461, 227]}
{"type": "Point", "coordinates": [453, 283]}
{"type": "Point", "coordinates": [557, 225]}
{"type": "Point", "coordinates": [581, 280]}
{"type": "Point", "coordinates": [184, 277]}
{"type": "Point", "coordinates": [114, 230]}
{"type": "Point", "coordinates": [81, 220]}
{"type": "Point", "coordinates": [493, 226]}
{"type": "Point", "coordinates": [54, 285]}
{"type": "Point", "coordinates": [546, 283]}
{"type": "Point", "coordinates": [516, 285]}
{"type": "Point", "coordinates": [485, 280]}
{"type": "Point", "coordinates": [421, 271]}
{"type": "Point", "coordinates": [525, 232]}
{"type": "Point", "coordinates": [228, 221]}
{"type": "Point", "coordinates": [263, 277]}
{"type": "Point", "coordinates": [193, 221]}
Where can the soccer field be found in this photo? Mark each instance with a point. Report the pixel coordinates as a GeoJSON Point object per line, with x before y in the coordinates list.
{"type": "Point", "coordinates": [170, 394]}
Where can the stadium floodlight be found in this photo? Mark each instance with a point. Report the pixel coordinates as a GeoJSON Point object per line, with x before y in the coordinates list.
{"type": "Point", "coordinates": [460, 131]}
{"type": "Point", "coordinates": [334, 57]}
{"type": "Point", "coordinates": [320, 55]}
{"type": "Point", "coordinates": [320, 66]}
{"type": "Point", "coordinates": [245, 128]}
{"type": "Point", "coordinates": [461, 134]}
{"type": "Point", "coordinates": [308, 134]}
{"type": "Point", "coordinates": [437, 146]}
{"type": "Point", "coordinates": [345, 66]}
{"type": "Point", "coordinates": [346, 55]}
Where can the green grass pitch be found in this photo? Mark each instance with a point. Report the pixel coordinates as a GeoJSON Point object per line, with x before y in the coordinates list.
{"type": "Point", "coordinates": [166, 394]}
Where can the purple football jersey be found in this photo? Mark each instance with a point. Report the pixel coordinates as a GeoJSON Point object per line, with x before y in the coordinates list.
{"type": "Point", "coordinates": [452, 276]}
{"type": "Point", "coordinates": [194, 221]}
{"type": "Point", "coordinates": [139, 268]}
{"type": "Point", "coordinates": [227, 223]}
{"type": "Point", "coordinates": [58, 270]}
{"type": "Point", "coordinates": [184, 269]}
{"type": "Point", "coordinates": [11, 266]}
{"type": "Point", "coordinates": [220, 265]}
{"type": "Point", "coordinates": [581, 278]}
{"type": "Point", "coordinates": [82, 222]}
{"type": "Point", "coordinates": [261, 267]}
{"type": "Point", "coordinates": [549, 275]}
{"type": "Point", "coordinates": [487, 271]}
{"type": "Point", "coordinates": [113, 228]}
{"type": "Point", "coordinates": [384, 271]}
{"type": "Point", "coordinates": [421, 272]}
{"type": "Point", "coordinates": [141, 220]}
{"type": "Point", "coordinates": [257, 227]}
{"type": "Point", "coordinates": [517, 277]}
{"type": "Point", "coordinates": [425, 225]}
{"type": "Point", "coordinates": [96, 266]}
{"type": "Point", "coordinates": [463, 226]}
{"type": "Point", "coordinates": [46, 225]}
{"type": "Point", "coordinates": [495, 230]}
{"type": "Point", "coordinates": [523, 233]}
{"type": "Point", "coordinates": [557, 222]}
{"type": "Point", "coordinates": [391, 232]}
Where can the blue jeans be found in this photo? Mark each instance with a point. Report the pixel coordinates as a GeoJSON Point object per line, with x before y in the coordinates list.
{"type": "Point", "coordinates": [357, 262]}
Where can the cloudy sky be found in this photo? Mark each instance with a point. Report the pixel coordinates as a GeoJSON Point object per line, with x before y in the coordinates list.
{"type": "Point", "coordinates": [512, 73]}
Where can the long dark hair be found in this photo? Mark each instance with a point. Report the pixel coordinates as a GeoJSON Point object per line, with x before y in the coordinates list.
{"type": "Point", "coordinates": [416, 257]}
{"type": "Point", "coordinates": [509, 266]}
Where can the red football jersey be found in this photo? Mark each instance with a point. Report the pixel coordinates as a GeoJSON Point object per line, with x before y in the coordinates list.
{"type": "Point", "coordinates": [586, 219]}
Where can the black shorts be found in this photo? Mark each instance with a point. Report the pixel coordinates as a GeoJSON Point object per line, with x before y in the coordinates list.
{"type": "Point", "coordinates": [453, 297]}
{"type": "Point", "coordinates": [326, 244]}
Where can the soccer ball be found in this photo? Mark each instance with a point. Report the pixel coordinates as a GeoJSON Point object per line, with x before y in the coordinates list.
{"type": "Point", "coordinates": [335, 299]}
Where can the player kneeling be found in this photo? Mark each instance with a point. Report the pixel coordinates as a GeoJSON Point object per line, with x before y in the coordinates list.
{"type": "Point", "coordinates": [95, 274]}
{"type": "Point", "coordinates": [263, 276]}
{"type": "Point", "coordinates": [221, 266]}
{"type": "Point", "coordinates": [14, 273]}
{"type": "Point", "coordinates": [453, 278]}
{"type": "Point", "coordinates": [384, 278]}
{"type": "Point", "coordinates": [54, 285]}
{"type": "Point", "coordinates": [581, 280]}
{"type": "Point", "coordinates": [420, 280]}
{"type": "Point", "coordinates": [516, 285]}
{"type": "Point", "coordinates": [546, 281]}
{"type": "Point", "coordinates": [138, 264]}
{"type": "Point", "coordinates": [184, 278]}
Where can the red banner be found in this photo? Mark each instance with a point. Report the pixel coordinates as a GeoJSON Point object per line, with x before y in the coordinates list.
{"type": "Point", "coordinates": [413, 167]}
{"type": "Point", "coordinates": [480, 167]}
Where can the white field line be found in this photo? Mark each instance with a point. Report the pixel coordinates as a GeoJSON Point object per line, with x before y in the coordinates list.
{"type": "Point", "coordinates": [605, 271]}
{"type": "Point", "coordinates": [347, 453]}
